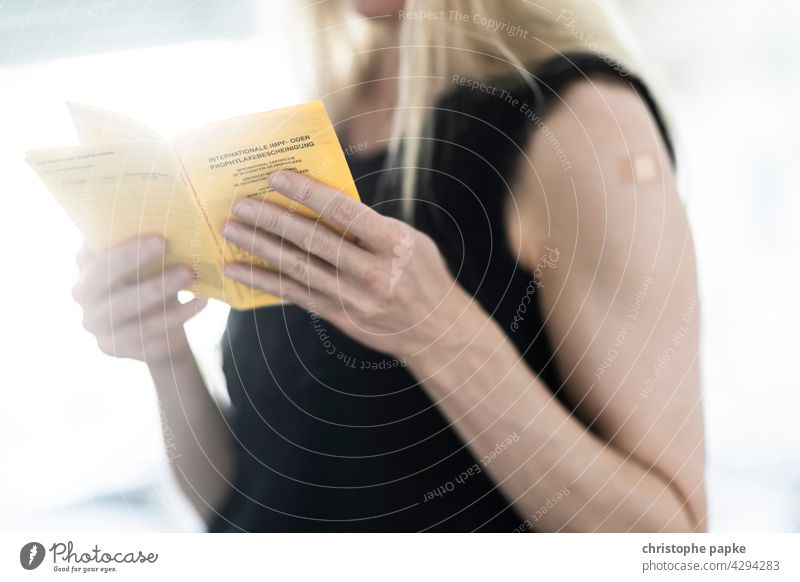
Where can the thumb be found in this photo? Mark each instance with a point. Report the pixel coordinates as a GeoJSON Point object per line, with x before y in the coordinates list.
{"type": "Point", "coordinates": [186, 311]}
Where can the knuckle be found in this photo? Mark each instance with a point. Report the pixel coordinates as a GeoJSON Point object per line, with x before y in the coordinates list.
{"type": "Point", "coordinates": [371, 310]}
{"type": "Point", "coordinates": [297, 267]}
{"type": "Point", "coordinates": [316, 242]}
{"type": "Point", "coordinates": [373, 275]}
{"type": "Point", "coordinates": [379, 288]}
{"type": "Point", "coordinates": [271, 221]}
{"type": "Point", "coordinates": [344, 211]}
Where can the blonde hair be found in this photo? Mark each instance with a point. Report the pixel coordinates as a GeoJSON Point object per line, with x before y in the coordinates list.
{"type": "Point", "coordinates": [475, 39]}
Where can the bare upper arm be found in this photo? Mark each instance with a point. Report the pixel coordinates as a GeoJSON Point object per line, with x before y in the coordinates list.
{"type": "Point", "coordinates": [621, 304]}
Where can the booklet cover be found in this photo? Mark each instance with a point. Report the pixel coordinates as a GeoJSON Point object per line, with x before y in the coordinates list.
{"type": "Point", "coordinates": [125, 181]}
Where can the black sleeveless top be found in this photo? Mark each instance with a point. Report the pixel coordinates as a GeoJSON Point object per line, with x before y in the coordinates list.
{"type": "Point", "coordinates": [331, 435]}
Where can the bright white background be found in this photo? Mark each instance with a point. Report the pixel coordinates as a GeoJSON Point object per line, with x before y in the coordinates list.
{"type": "Point", "coordinates": [80, 442]}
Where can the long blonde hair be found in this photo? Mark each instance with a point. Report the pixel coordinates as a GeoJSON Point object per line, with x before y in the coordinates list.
{"type": "Point", "coordinates": [475, 39]}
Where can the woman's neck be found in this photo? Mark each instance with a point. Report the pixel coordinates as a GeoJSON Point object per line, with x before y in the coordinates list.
{"type": "Point", "coordinates": [369, 122]}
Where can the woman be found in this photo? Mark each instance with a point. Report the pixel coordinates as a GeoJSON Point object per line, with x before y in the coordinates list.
{"type": "Point", "coordinates": [511, 341]}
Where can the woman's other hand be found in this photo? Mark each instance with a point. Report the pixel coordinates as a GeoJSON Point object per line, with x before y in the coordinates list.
{"type": "Point", "coordinates": [133, 315]}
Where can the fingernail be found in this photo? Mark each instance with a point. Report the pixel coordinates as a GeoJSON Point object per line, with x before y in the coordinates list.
{"type": "Point", "coordinates": [227, 229]}
{"type": "Point", "coordinates": [278, 180]}
{"type": "Point", "coordinates": [244, 210]}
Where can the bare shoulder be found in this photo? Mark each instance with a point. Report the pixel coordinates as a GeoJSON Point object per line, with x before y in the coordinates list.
{"type": "Point", "coordinates": [595, 158]}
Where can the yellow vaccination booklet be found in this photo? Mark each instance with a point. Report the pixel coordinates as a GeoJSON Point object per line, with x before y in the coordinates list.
{"type": "Point", "coordinates": [125, 180]}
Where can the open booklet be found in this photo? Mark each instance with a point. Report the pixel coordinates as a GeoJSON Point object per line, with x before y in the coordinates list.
{"type": "Point", "coordinates": [125, 181]}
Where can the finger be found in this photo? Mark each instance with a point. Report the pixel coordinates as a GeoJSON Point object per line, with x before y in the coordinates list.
{"type": "Point", "coordinates": [288, 259]}
{"type": "Point", "coordinates": [172, 316]}
{"type": "Point", "coordinates": [130, 303]}
{"type": "Point", "coordinates": [152, 326]}
{"type": "Point", "coordinates": [332, 205]}
{"type": "Point", "coordinates": [280, 286]}
{"type": "Point", "coordinates": [310, 235]}
{"type": "Point", "coordinates": [113, 265]}
{"type": "Point", "coordinates": [293, 262]}
{"type": "Point", "coordinates": [149, 330]}
{"type": "Point", "coordinates": [308, 240]}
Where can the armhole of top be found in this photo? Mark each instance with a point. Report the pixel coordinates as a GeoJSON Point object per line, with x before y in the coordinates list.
{"type": "Point", "coordinates": [564, 70]}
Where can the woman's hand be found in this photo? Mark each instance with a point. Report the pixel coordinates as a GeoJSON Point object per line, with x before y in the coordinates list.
{"type": "Point", "coordinates": [391, 290]}
{"type": "Point", "coordinates": [142, 320]}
